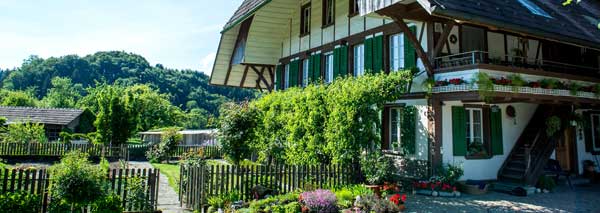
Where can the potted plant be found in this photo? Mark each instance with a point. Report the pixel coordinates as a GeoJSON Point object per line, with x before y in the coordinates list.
{"type": "Point", "coordinates": [377, 169]}
{"type": "Point", "coordinates": [476, 149]}
{"type": "Point", "coordinates": [399, 200]}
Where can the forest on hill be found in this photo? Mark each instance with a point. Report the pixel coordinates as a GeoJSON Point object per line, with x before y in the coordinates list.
{"type": "Point", "coordinates": [159, 95]}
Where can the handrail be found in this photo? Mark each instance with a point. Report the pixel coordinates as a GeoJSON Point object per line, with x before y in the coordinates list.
{"type": "Point", "coordinates": [482, 57]}
{"type": "Point", "coordinates": [528, 152]}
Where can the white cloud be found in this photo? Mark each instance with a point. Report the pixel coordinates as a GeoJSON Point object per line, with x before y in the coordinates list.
{"type": "Point", "coordinates": [207, 62]}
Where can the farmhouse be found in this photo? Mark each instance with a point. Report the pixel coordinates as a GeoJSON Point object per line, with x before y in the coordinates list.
{"type": "Point", "coordinates": [54, 120]}
{"type": "Point", "coordinates": [503, 86]}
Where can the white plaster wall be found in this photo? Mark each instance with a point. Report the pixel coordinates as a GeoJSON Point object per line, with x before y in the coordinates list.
{"type": "Point", "coordinates": [422, 136]}
{"type": "Point", "coordinates": [485, 169]}
{"type": "Point", "coordinates": [582, 154]}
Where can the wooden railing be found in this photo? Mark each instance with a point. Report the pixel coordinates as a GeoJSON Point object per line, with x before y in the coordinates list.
{"type": "Point", "coordinates": [138, 151]}
{"type": "Point", "coordinates": [199, 183]}
{"type": "Point", "coordinates": [8, 150]}
{"type": "Point", "coordinates": [34, 181]}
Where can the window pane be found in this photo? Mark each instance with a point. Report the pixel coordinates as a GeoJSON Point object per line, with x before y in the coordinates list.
{"type": "Point", "coordinates": [286, 76]}
{"type": "Point", "coordinates": [596, 131]}
{"type": "Point", "coordinates": [305, 67]}
{"type": "Point", "coordinates": [395, 132]}
{"type": "Point", "coordinates": [468, 123]}
{"type": "Point", "coordinates": [396, 52]}
{"type": "Point", "coordinates": [359, 60]}
{"type": "Point", "coordinates": [472, 39]}
{"type": "Point", "coordinates": [328, 68]}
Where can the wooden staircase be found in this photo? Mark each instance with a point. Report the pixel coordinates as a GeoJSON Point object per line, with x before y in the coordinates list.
{"type": "Point", "coordinates": [529, 156]}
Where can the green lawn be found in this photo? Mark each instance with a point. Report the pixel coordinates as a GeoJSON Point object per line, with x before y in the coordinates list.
{"type": "Point", "coordinates": [172, 172]}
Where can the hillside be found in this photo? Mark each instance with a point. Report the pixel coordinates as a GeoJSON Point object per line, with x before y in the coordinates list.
{"type": "Point", "coordinates": [187, 89]}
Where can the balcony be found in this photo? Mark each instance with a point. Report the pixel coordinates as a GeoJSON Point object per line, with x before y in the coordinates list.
{"type": "Point", "coordinates": [474, 58]}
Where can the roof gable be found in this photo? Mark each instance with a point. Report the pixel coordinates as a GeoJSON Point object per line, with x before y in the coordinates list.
{"type": "Point", "coordinates": [40, 115]}
{"type": "Point", "coordinates": [246, 9]}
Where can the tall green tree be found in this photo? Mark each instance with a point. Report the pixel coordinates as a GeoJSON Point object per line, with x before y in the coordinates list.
{"type": "Point", "coordinates": [17, 99]}
{"type": "Point", "coordinates": [113, 123]}
{"type": "Point", "coordinates": [63, 94]}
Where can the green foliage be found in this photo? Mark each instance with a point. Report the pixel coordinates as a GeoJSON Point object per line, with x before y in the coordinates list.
{"type": "Point", "coordinates": [377, 168]}
{"type": "Point", "coordinates": [278, 202]}
{"type": "Point", "coordinates": [574, 88]}
{"type": "Point", "coordinates": [109, 204]}
{"type": "Point", "coordinates": [86, 122]}
{"type": "Point", "coordinates": [20, 201]}
{"type": "Point", "coordinates": [76, 181]}
{"type": "Point", "coordinates": [136, 194]}
{"type": "Point", "coordinates": [2, 121]}
{"type": "Point", "coordinates": [546, 183]}
{"type": "Point", "coordinates": [548, 83]}
{"type": "Point", "coordinates": [516, 81]}
{"type": "Point", "coordinates": [17, 99]}
{"type": "Point", "coordinates": [63, 94]}
{"type": "Point", "coordinates": [485, 85]}
{"type": "Point", "coordinates": [114, 120]}
{"type": "Point", "coordinates": [450, 174]}
{"type": "Point", "coordinates": [553, 125]}
{"type": "Point", "coordinates": [169, 140]}
{"type": "Point", "coordinates": [292, 207]}
{"type": "Point", "coordinates": [371, 203]}
{"type": "Point", "coordinates": [324, 123]}
{"type": "Point", "coordinates": [237, 130]}
{"type": "Point", "coordinates": [25, 132]}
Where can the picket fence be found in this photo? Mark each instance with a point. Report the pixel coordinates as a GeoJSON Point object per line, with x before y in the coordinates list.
{"type": "Point", "coordinates": [201, 182]}
{"type": "Point", "coordinates": [8, 150]}
{"type": "Point", "coordinates": [34, 181]}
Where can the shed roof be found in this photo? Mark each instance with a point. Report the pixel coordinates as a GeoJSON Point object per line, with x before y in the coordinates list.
{"type": "Point", "coordinates": [56, 116]}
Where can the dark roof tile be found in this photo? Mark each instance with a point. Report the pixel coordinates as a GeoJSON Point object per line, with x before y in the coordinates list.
{"type": "Point", "coordinates": [40, 115]}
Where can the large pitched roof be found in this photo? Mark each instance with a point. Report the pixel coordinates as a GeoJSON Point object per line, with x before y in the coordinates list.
{"type": "Point", "coordinates": [40, 115]}
{"type": "Point", "coordinates": [567, 23]}
{"type": "Point", "coordinates": [246, 9]}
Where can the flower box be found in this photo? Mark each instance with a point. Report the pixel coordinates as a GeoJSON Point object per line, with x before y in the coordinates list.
{"type": "Point", "coordinates": [446, 194]}
{"type": "Point", "coordinates": [424, 192]}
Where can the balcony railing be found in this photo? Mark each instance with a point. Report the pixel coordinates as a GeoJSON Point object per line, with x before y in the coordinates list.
{"type": "Point", "coordinates": [482, 57]}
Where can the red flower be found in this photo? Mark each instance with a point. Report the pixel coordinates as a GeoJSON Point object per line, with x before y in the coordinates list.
{"type": "Point", "coordinates": [398, 199]}
{"type": "Point", "coordinates": [403, 198]}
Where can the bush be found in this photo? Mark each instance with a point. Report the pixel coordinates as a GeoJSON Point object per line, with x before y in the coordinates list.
{"type": "Point", "coordinates": [76, 181]}
{"type": "Point", "coordinates": [136, 194]}
{"type": "Point", "coordinates": [371, 203]}
{"type": "Point", "coordinates": [236, 130]}
{"type": "Point", "coordinates": [265, 205]}
{"type": "Point", "coordinates": [192, 159]}
{"type": "Point", "coordinates": [377, 168]}
{"type": "Point", "coordinates": [161, 151]}
{"type": "Point", "coordinates": [25, 132]}
{"type": "Point", "coordinates": [21, 202]}
{"type": "Point", "coordinates": [293, 207]}
{"type": "Point", "coordinates": [450, 174]}
{"type": "Point", "coordinates": [319, 201]}
{"type": "Point", "coordinates": [109, 204]}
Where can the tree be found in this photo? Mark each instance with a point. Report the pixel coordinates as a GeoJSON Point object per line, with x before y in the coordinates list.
{"type": "Point", "coordinates": [237, 130]}
{"type": "Point", "coordinates": [114, 123]}
{"type": "Point", "coordinates": [63, 94]}
{"type": "Point", "coordinates": [17, 99]}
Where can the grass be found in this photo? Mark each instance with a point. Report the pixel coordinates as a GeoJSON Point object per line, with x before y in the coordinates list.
{"type": "Point", "coordinates": [172, 172]}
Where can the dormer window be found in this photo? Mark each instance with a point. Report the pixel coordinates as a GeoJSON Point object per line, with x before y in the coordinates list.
{"type": "Point", "coordinates": [533, 8]}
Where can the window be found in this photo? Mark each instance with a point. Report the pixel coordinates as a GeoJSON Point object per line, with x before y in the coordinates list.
{"type": "Point", "coordinates": [328, 12]}
{"type": "Point", "coordinates": [396, 52]}
{"type": "Point", "coordinates": [328, 67]}
{"type": "Point", "coordinates": [353, 9]}
{"type": "Point", "coordinates": [533, 8]}
{"type": "Point", "coordinates": [395, 129]}
{"type": "Point", "coordinates": [359, 60]}
{"type": "Point", "coordinates": [474, 121]}
{"type": "Point", "coordinates": [305, 67]}
{"type": "Point", "coordinates": [472, 39]}
{"type": "Point", "coordinates": [286, 75]}
{"type": "Point", "coordinates": [305, 20]}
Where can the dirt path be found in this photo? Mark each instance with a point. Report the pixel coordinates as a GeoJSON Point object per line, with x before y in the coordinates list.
{"type": "Point", "coordinates": [168, 199]}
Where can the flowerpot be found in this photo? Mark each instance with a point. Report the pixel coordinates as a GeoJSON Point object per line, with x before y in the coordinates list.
{"type": "Point", "coordinates": [457, 193]}
{"type": "Point", "coordinates": [402, 207]}
{"type": "Point", "coordinates": [446, 194]}
{"type": "Point", "coordinates": [376, 189]}
{"type": "Point", "coordinates": [424, 192]}
{"type": "Point", "coordinates": [435, 194]}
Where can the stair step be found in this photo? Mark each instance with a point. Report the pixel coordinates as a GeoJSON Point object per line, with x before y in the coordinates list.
{"type": "Point", "coordinates": [515, 169]}
{"type": "Point", "coordinates": [512, 176]}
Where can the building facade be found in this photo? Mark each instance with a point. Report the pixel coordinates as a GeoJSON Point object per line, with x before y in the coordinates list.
{"type": "Point", "coordinates": [499, 73]}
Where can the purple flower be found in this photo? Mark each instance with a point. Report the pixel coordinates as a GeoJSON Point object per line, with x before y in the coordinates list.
{"type": "Point", "coordinates": [320, 201]}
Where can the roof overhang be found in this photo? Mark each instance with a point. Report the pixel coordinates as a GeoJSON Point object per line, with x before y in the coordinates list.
{"type": "Point", "coordinates": [262, 49]}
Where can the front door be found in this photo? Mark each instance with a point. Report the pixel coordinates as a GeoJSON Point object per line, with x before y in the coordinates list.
{"type": "Point", "coordinates": [565, 150]}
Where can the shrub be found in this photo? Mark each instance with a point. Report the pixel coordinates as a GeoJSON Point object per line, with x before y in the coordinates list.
{"type": "Point", "coordinates": [450, 174]}
{"type": "Point", "coordinates": [76, 181]}
{"type": "Point", "coordinates": [192, 158]}
{"type": "Point", "coordinates": [25, 132]}
{"type": "Point", "coordinates": [265, 204]}
{"type": "Point", "coordinates": [110, 203]}
{"type": "Point", "coordinates": [160, 152]}
{"type": "Point", "coordinates": [377, 168]}
{"type": "Point", "coordinates": [546, 183]}
{"type": "Point", "coordinates": [371, 203]}
{"type": "Point", "coordinates": [319, 200]}
{"type": "Point", "coordinates": [136, 195]}
{"type": "Point", "coordinates": [236, 130]}
{"type": "Point", "coordinates": [21, 202]}
{"type": "Point", "coordinates": [292, 207]}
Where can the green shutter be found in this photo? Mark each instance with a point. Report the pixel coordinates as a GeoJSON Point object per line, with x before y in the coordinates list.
{"type": "Point", "coordinates": [410, 58]}
{"type": "Point", "coordinates": [316, 67]}
{"type": "Point", "coordinates": [293, 74]}
{"type": "Point", "coordinates": [344, 60]}
{"type": "Point", "coordinates": [336, 62]}
{"type": "Point", "coordinates": [496, 131]}
{"type": "Point", "coordinates": [369, 55]}
{"type": "Point", "coordinates": [279, 77]}
{"type": "Point", "coordinates": [378, 54]}
{"type": "Point", "coordinates": [459, 138]}
{"type": "Point", "coordinates": [408, 129]}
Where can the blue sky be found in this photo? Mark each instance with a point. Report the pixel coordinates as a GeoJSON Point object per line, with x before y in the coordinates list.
{"type": "Point", "coordinates": [182, 34]}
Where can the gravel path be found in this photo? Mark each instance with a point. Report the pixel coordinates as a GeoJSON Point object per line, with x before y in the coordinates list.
{"type": "Point", "coordinates": [168, 199]}
{"type": "Point", "coordinates": [581, 199]}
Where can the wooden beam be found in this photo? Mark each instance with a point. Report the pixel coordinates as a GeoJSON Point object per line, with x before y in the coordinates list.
{"type": "Point", "coordinates": [435, 126]}
{"type": "Point", "coordinates": [422, 32]}
{"type": "Point", "coordinates": [261, 76]}
{"type": "Point", "coordinates": [413, 39]}
{"type": "Point", "coordinates": [244, 76]}
{"type": "Point", "coordinates": [443, 39]}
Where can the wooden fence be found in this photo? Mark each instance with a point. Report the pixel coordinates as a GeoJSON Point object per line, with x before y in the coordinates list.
{"type": "Point", "coordinates": [38, 181]}
{"type": "Point", "coordinates": [138, 151]}
{"type": "Point", "coordinates": [199, 183]}
{"type": "Point", "coordinates": [8, 150]}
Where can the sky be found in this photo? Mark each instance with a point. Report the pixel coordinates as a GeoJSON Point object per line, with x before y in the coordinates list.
{"type": "Point", "coordinates": [181, 34]}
